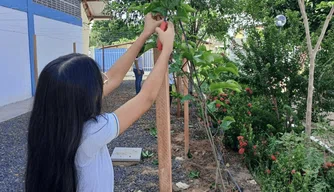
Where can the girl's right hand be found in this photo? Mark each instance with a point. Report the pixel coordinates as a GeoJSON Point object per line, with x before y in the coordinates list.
{"type": "Point", "coordinates": [166, 37]}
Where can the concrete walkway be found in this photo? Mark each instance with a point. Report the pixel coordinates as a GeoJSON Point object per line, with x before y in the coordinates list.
{"type": "Point", "coordinates": [10, 111]}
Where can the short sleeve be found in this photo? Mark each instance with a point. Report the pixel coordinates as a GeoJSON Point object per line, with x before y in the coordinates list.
{"type": "Point", "coordinates": [97, 134]}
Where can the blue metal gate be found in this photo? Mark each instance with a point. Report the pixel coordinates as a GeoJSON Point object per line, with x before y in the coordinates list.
{"type": "Point", "coordinates": [111, 55]}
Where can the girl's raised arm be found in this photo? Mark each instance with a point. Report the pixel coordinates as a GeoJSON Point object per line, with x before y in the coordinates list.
{"type": "Point", "coordinates": [132, 110]}
{"type": "Point", "coordinates": [118, 71]}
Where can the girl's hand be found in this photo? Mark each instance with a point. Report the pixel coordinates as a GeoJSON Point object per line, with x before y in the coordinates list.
{"type": "Point", "coordinates": [151, 23]}
{"type": "Point", "coordinates": [166, 37]}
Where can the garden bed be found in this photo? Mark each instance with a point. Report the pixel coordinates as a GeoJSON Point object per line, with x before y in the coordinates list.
{"type": "Point", "coordinates": [144, 176]}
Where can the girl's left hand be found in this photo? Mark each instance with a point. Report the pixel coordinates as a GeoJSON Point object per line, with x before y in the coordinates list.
{"type": "Point", "coordinates": [151, 23]}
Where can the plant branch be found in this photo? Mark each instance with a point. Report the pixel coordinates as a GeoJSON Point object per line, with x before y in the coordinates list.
{"type": "Point", "coordinates": [324, 29]}
{"type": "Point", "coordinates": [306, 25]}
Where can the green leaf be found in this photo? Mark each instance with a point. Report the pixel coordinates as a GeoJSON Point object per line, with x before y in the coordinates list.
{"type": "Point", "coordinates": [212, 107]}
{"type": "Point", "coordinates": [202, 48]}
{"type": "Point", "coordinates": [149, 46]}
{"type": "Point", "coordinates": [227, 121]}
{"type": "Point", "coordinates": [188, 56]}
{"type": "Point", "coordinates": [181, 12]}
{"type": "Point", "coordinates": [187, 98]}
{"type": "Point", "coordinates": [151, 7]}
{"type": "Point", "coordinates": [226, 69]}
{"type": "Point", "coordinates": [188, 8]}
{"type": "Point", "coordinates": [225, 85]}
{"type": "Point", "coordinates": [163, 11]}
{"type": "Point", "coordinates": [207, 56]}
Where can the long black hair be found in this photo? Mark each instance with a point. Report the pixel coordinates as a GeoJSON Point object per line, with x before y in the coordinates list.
{"type": "Point", "coordinates": [69, 93]}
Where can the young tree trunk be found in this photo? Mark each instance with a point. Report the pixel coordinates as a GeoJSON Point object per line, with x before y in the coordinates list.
{"type": "Point", "coordinates": [312, 55]}
{"type": "Point", "coordinates": [310, 95]}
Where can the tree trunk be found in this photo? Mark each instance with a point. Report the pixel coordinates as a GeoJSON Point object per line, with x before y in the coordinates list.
{"type": "Point", "coordinates": [310, 95]}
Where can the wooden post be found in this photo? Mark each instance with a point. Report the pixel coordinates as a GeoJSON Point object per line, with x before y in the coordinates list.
{"type": "Point", "coordinates": [103, 59]}
{"type": "Point", "coordinates": [186, 110]}
{"type": "Point", "coordinates": [186, 106]}
{"type": "Point", "coordinates": [35, 61]}
{"type": "Point", "coordinates": [164, 136]}
{"type": "Point", "coordinates": [178, 89]}
{"type": "Point", "coordinates": [74, 47]}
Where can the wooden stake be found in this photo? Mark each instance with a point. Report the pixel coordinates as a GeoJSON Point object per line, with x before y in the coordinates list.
{"type": "Point", "coordinates": [35, 60]}
{"type": "Point", "coordinates": [74, 47]}
{"type": "Point", "coordinates": [178, 89]}
{"type": "Point", "coordinates": [186, 107]}
{"type": "Point", "coordinates": [164, 136]}
{"type": "Point", "coordinates": [186, 110]}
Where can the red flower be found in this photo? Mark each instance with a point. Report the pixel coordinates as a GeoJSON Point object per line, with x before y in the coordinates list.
{"type": "Point", "coordinates": [249, 105]}
{"type": "Point", "coordinates": [241, 151]}
{"type": "Point", "coordinates": [227, 102]}
{"type": "Point", "coordinates": [249, 113]}
{"type": "Point", "coordinates": [293, 171]}
{"type": "Point", "coordinates": [268, 171]}
{"type": "Point", "coordinates": [218, 105]}
{"type": "Point", "coordinates": [222, 99]}
{"type": "Point", "coordinates": [254, 147]}
{"type": "Point", "coordinates": [240, 138]}
{"type": "Point", "coordinates": [273, 158]}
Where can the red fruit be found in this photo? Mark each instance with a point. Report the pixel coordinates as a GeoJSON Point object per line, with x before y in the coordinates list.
{"type": "Point", "coordinates": [249, 105]}
{"type": "Point", "coordinates": [249, 113]}
{"type": "Point", "coordinates": [224, 110]}
{"type": "Point", "coordinates": [328, 164]}
{"type": "Point", "coordinates": [268, 171]}
{"type": "Point", "coordinates": [273, 158]}
{"type": "Point", "coordinates": [243, 144]}
{"type": "Point", "coordinates": [241, 151]}
{"type": "Point", "coordinates": [240, 138]}
{"type": "Point", "coordinates": [247, 89]}
{"type": "Point", "coordinates": [222, 99]}
{"type": "Point", "coordinates": [218, 105]}
{"type": "Point", "coordinates": [293, 171]}
{"type": "Point", "coordinates": [163, 26]}
{"type": "Point", "coordinates": [227, 102]}
{"type": "Point", "coordinates": [254, 147]}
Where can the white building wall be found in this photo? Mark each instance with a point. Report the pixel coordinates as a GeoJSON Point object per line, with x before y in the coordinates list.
{"type": "Point", "coordinates": [15, 79]}
{"type": "Point", "coordinates": [54, 39]}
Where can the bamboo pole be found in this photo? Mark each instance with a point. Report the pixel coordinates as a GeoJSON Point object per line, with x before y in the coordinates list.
{"type": "Point", "coordinates": [164, 136]}
{"type": "Point", "coordinates": [74, 47]}
{"type": "Point", "coordinates": [35, 60]}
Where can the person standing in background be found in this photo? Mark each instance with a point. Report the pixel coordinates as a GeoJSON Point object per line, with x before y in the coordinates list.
{"type": "Point", "coordinates": [139, 72]}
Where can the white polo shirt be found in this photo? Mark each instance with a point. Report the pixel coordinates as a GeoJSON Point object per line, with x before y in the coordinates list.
{"type": "Point", "coordinates": [140, 63]}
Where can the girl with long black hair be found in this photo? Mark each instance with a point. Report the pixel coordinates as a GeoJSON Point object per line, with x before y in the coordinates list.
{"type": "Point", "coordinates": [68, 135]}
